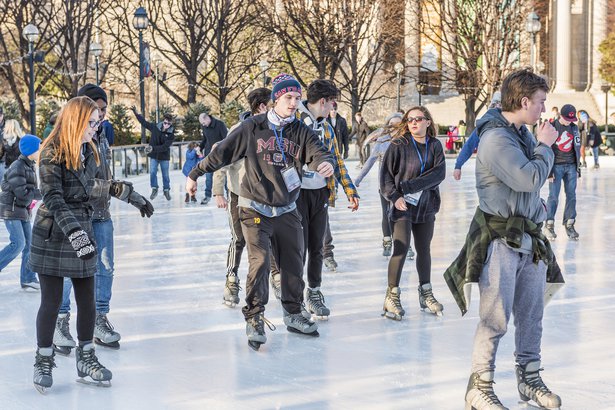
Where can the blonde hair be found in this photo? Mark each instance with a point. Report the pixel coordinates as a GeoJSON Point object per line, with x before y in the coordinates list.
{"type": "Point", "coordinates": [12, 129]}
{"type": "Point", "coordinates": [67, 134]}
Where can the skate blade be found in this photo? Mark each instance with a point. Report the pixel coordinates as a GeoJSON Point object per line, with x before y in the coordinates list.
{"type": "Point", "coordinates": [254, 345]}
{"type": "Point", "coordinates": [112, 345]}
{"type": "Point", "coordinates": [438, 314]}
{"type": "Point", "coordinates": [62, 350]}
{"type": "Point", "coordinates": [100, 383]}
{"type": "Point", "coordinates": [41, 389]}
{"type": "Point", "coordinates": [229, 303]}
{"type": "Point", "coordinates": [299, 332]}
{"type": "Point", "coordinates": [391, 315]}
{"type": "Point", "coordinates": [321, 317]}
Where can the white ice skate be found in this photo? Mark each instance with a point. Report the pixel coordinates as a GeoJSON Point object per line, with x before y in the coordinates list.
{"type": "Point", "coordinates": [104, 334]}
{"type": "Point", "coordinates": [63, 342]}
{"type": "Point", "coordinates": [428, 301]}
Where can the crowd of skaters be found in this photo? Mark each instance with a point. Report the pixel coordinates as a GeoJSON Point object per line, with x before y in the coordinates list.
{"type": "Point", "coordinates": [277, 171]}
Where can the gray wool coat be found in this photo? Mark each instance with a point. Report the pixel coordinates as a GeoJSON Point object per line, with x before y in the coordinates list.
{"type": "Point", "coordinates": [65, 208]}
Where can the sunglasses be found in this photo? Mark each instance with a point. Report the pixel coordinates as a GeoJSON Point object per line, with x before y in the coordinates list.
{"type": "Point", "coordinates": [416, 119]}
{"type": "Point", "coordinates": [93, 124]}
{"type": "Point", "coordinates": [166, 122]}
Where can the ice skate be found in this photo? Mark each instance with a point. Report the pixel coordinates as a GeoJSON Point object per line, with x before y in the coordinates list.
{"type": "Point", "coordinates": [231, 291]}
{"type": "Point", "coordinates": [596, 166]}
{"type": "Point", "coordinates": [410, 254]}
{"type": "Point", "coordinates": [531, 386]}
{"type": "Point", "coordinates": [392, 308]}
{"type": "Point", "coordinates": [89, 366]}
{"type": "Point", "coordinates": [255, 330]}
{"type": "Point", "coordinates": [428, 301]}
{"type": "Point", "coordinates": [387, 245]}
{"type": "Point", "coordinates": [330, 263]}
{"type": "Point", "coordinates": [276, 285]}
{"type": "Point", "coordinates": [43, 365]}
{"type": "Point", "coordinates": [167, 194]}
{"type": "Point", "coordinates": [31, 286]}
{"type": "Point", "coordinates": [193, 198]}
{"type": "Point", "coordinates": [187, 200]}
{"type": "Point", "coordinates": [104, 335]}
{"type": "Point", "coordinates": [297, 323]}
{"type": "Point", "coordinates": [315, 303]}
{"type": "Point", "coordinates": [550, 230]}
{"type": "Point", "coordinates": [205, 201]}
{"type": "Point", "coordinates": [570, 231]}
{"type": "Point", "coordinates": [480, 394]}
{"type": "Point", "coordinates": [154, 193]}
{"type": "Point", "coordinates": [63, 342]}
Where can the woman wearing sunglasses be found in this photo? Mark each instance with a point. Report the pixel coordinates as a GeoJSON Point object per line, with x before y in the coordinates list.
{"type": "Point", "coordinates": [62, 232]}
{"type": "Point", "coordinates": [412, 169]}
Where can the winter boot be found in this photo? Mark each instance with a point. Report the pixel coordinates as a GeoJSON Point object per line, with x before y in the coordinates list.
{"type": "Point", "coordinates": [104, 334]}
{"type": "Point", "coordinates": [570, 231]}
{"type": "Point", "coordinates": [89, 366]}
{"type": "Point", "coordinates": [315, 302]}
{"type": "Point", "coordinates": [330, 263]}
{"type": "Point", "coordinates": [154, 193]}
{"type": "Point", "coordinates": [297, 323]}
{"type": "Point", "coordinates": [276, 285]}
{"type": "Point", "coordinates": [428, 301]}
{"type": "Point", "coordinates": [392, 304]}
{"type": "Point", "coordinates": [550, 230]}
{"type": "Point", "coordinates": [387, 245]}
{"type": "Point", "coordinates": [531, 386]}
{"type": "Point", "coordinates": [44, 362]}
{"type": "Point", "coordinates": [480, 394]}
{"type": "Point", "coordinates": [63, 342]}
{"type": "Point", "coordinates": [255, 330]}
{"type": "Point", "coordinates": [231, 291]}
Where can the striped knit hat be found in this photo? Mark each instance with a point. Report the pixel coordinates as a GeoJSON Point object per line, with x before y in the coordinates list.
{"type": "Point", "coordinates": [283, 84]}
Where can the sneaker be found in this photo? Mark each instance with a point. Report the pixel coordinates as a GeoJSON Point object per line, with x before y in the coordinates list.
{"type": "Point", "coordinates": [531, 386]}
{"type": "Point", "coordinates": [167, 194]}
{"type": "Point", "coordinates": [480, 394]}
{"type": "Point", "coordinates": [205, 201]}
{"type": "Point", "coordinates": [154, 193]}
{"type": "Point", "coordinates": [187, 198]}
{"type": "Point", "coordinates": [34, 285]}
{"type": "Point", "coordinates": [387, 245]}
{"type": "Point", "coordinates": [315, 302]}
{"type": "Point", "coordinates": [330, 263]}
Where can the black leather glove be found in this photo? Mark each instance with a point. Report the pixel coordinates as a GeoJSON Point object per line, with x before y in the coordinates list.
{"type": "Point", "coordinates": [124, 191]}
{"type": "Point", "coordinates": [80, 241]}
{"type": "Point", "coordinates": [148, 149]}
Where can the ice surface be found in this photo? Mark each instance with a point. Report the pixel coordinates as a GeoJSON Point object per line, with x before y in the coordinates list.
{"type": "Point", "coordinates": [181, 348]}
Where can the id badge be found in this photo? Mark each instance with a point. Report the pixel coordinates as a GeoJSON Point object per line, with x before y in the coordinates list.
{"type": "Point", "coordinates": [413, 199]}
{"type": "Point", "coordinates": [291, 178]}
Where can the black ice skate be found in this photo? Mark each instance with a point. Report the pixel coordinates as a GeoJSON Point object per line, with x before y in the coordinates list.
{"type": "Point", "coordinates": [480, 394]}
{"type": "Point", "coordinates": [315, 302]}
{"type": "Point", "coordinates": [154, 193]}
{"type": "Point", "coordinates": [89, 366]}
{"type": "Point", "coordinates": [570, 231]}
{"type": "Point", "coordinates": [550, 230]}
{"type": "Point", "coordinates": [297, 323]}
{"type": "Point", "coordinates": [104, 335]}
{"type": "Point", "coordinates": [63, 342]}
{"type": "Point", "coordinates": [255, 330]}
{"type": "Point", "coordinates": [392, 308]}
{"type": "Point", "coordinates": [231, 291]}
{"type": "Point", "coordinates": [276, 285]}
{"type": "Point", "coordinates": [428, 301]}
{"type": "Point", "coordinates": [531, 386]}
{"type": "Point", "coordinates": [330, 263]}
{"type": "Point", "coordinates": [167, 194]}
{"type": "Point", "coordinates": [387, 245]}
{"type": "Point", "coordinates": [43, 364]}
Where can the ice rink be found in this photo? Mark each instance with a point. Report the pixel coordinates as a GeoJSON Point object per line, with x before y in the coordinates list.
{"type": "Point", "coordinates": [181, 348]}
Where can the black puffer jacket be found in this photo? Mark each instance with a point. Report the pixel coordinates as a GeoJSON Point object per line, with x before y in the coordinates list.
{"type": "Point", "coordinates": [160, 140]}
{"type": "Point", "coordinates": [11, 152]}
{"type": "Point", "coordinates": [19, 188]}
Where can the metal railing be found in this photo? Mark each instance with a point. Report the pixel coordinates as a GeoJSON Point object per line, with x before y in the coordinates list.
{"type": "Point", "coordinates": [132, 159]}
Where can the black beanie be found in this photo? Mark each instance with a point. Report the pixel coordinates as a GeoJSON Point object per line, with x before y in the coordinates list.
{"type": "Point", "coordinates": [93, 91]}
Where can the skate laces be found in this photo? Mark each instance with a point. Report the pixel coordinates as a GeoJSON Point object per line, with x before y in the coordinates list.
{"type": "Point", "coordinates": [534, 382]}
{"type": "Point", "coordinates": [44, 364]}
{"type": "Point", "coordinates": [316, 298]}
{"type": "Point", "coordinates": [104, 325]}
{"type": "Point", "coordinates": [90, 362]}
{"type": "Point", "coordinates": [233, 287]}
{"type": "Point", "coordinates": [394, 298]}
{"type": "Point", "coordinates": [259, 322]}
{"type": "Point", "coordinates": [64, 327]}
{"type": "Point", "coordinates": [486, 390]}
{"type": "Point", "coordinates": [428, 297]}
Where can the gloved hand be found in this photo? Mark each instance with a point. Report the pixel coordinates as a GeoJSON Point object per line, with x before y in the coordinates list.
{"type": "Point", "coordinates": [148, 149]}
{"type": "Point", "coordinates": [134, 109]}
{"type": "Point", "coordinates": [124, 191]}
{"type": "Point", "coordinates": [80, 241]}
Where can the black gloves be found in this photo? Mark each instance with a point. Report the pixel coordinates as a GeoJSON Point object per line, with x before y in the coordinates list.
{"type": "Point", "coordinates": [124, 191]}
{"type": "Point", "coordinates": [80, 241]}
{"type": "Point", "coordinates": [148, 149]}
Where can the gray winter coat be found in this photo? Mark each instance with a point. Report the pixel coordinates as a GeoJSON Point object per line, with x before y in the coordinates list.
{"type": "Point", "coordinates": [511, 167]}
{"type": "Point", "coordinates": [66, 208]}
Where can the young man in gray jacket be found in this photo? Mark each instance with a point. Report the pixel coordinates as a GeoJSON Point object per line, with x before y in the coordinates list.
{"type": "Point", "coordinates": [511, 167]}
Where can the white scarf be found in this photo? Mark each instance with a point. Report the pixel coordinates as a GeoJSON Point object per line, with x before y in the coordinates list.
{"type": "Point", "coordinates": [278, 121]}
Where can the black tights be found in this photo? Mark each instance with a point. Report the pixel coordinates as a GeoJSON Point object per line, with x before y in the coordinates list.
{"type": "Point", "coordinates": [386, 223]}
{"type": "Point", "coordinates": [51, 299]}
{"type": "Point", "coordinates": [401, 241]}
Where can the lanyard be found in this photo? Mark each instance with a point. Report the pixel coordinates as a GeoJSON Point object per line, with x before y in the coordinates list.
{"type": "Point", "coordinates": [418, 153]}
{"type": "Point", "coordinates": [280, 141]}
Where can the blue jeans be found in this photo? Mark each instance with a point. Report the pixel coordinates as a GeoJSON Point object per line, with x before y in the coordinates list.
{"type": "Point", "coordinates": [153, 173]}
{"type": "Point", "coordinates": [596, 154]}
{"type": "Point", "coordinates": [209, 179]}
{"type": "Point", "coordinates": [567, 173]}
{"type": "Point", "coordinates": [20, 238]}
{"type": "Point", "coordinates": [103, 234]}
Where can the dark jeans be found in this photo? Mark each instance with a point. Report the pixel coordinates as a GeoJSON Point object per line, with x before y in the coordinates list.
{"type": "Point", "coordinates": [209, 178]}
{"type": "Point", "coordinates": [312, 204]}
{"type": "Point", "coordinates": [238, 243]}
{"type": "Point", "coordinates": [327, 250]}
{"type": "Point", "coordinates": [568, 174]}
{"type": "Point", "coordinates": [423, 233]}
{"type": "Point", "coordinates": [282, 236]}
{"type": "Point", "coordinates": [51, 298]}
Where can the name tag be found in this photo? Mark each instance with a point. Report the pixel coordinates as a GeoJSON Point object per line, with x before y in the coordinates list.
{"type": "Point", "coordinates": [291, 178]}
{"type": "Point", "coordinates": [308, 174]}
{"type": "Point", "coordinates": [413, 199]}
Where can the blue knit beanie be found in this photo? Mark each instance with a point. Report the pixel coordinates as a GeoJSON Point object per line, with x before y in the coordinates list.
{"type": "Point", "coordinates": [283, 84]}
{"type": "Point", "coordinates": [29, 144]}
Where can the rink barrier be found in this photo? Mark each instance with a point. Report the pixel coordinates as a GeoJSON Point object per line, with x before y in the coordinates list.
{"type": "Point", "coordinates": [132, 160]}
